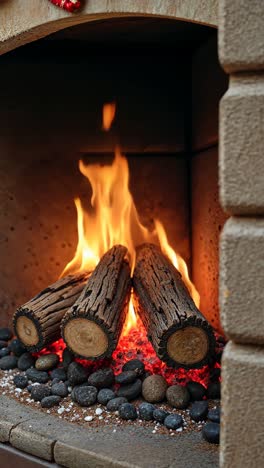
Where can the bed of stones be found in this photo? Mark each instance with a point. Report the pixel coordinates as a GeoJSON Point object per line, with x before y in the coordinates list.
{"type": "Point", "coordinates": [74, 393]}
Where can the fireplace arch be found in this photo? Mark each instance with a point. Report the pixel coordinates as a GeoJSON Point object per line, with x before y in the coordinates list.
{"type": "Point", "coordinates": [24, 24]}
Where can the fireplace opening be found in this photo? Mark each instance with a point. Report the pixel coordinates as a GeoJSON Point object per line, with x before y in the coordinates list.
{"type": "Point", "coordinates": [110, 136]}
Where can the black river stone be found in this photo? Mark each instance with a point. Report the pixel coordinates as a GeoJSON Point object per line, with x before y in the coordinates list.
{"type": "Point", "coordinates": [197, 391]}
{"type": "Point", "coordinates": [173, 421]}
{"type": "Point", "coordinates": [86, 396]}
{"type": "Point", "coordinates": [59, 374]}
{"type": "Point", "coordinates": [130, 391]}
{"type": "Point", "coordinates": [134, 365]}
{"type": "Point", "coordinates": [102, 378]}
{"type": "Point", "coordinates": [160, 415]}
{"type": "Point", "coordinates": [127, 411]}
{"type": "Point", "coordinates": [105, 395]}
{"type": "Point", "coordinates": [214, 415]}
{"type": "Point", "coordinates": [77, 374]}
{"type": "Point", "coordinates": [38, 392]}
{"type": "Point", "coordinates": [25, 361]}
{"type": "Point", "coordinates": [126, 377]}
{"type": "Point", "coordinates": [199, 410]}
{"type": "Point", "coordinates": [146, 411]}
{"type": "Point", "coordinates": [59, 389]}
{"type": "Point", "coordinates": [211, 432]}
{"type": "Point", "coordinates": [4, 352]}
{"type": "Point", "coordinates": [50, 401]}
{"type": "Point", "coordinates": [37, 376]}
{"type": "Point", "coordinates": [17, 347]}
{"type": "Point", "coordinates": [20, 381]}
{"type": "Point", "coordinates": [8, 362]}
{"type": "Point", "coordinates": [114, 405]}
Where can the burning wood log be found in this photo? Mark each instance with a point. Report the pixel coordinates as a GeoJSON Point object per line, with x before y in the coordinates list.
{"type": "Point", "coordinates": [37, 323]}
{"type": "Point", "coordinates": [179, 333]}
{"type": "Point", "coordinates": [91, 328]}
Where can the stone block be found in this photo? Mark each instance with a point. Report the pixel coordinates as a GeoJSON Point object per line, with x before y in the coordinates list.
{"type": "Point", "coordinates": [242, 427]}
{"type": "Point", "coordinates": [10, 417]}
{"type": "Point", "coordinates": [241, 38]}
{"type": "Point", "coordinates": [241, 168]}
{"type": "Point", "coordinates": [75, 457]}
{"type": "Point", "coordinates": [242, 280]}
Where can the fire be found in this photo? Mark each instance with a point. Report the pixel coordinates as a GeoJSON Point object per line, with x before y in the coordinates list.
{"type": "Point", "coordinates": [176, 260]}
{"type": "Point", "coordinates": [109, 110]}
{"type": "Point", "coordinates": [113, 219]}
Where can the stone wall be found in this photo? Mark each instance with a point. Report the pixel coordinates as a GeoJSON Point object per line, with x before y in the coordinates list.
{"type": "Point", "coordinates": [241, 51]}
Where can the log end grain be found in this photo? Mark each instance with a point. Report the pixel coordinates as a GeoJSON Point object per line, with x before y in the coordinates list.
{"type": "Point", "coordinates": [26, 331]}
{"type": "Point", "coordinates": [87, 338]}
{"type": "Point", "coordinates": [188, 345]}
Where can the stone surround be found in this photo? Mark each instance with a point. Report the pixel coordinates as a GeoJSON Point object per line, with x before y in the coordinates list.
{"type": "Point", "coordinates": [20, 24]}
{"type": "Point", "coordinates": [241, 44]}
{"type": "Point", "coordinates": [51, 439]}
{"type": "Point", "coordinates": [241, 49]}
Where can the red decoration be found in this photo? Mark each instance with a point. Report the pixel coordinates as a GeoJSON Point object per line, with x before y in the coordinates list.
{"type": "Point", "coordinates": [69, 5]}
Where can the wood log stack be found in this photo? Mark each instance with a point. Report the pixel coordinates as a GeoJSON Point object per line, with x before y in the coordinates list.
{"type": "Point", "coordinates": [89, 309]}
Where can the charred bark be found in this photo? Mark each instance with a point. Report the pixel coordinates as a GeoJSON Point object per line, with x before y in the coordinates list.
{"type": "Point", "coordinates": [179, 333]}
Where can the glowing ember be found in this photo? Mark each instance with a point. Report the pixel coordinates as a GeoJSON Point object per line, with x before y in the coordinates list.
{"type": "Point", "coordinates": [135, 345]}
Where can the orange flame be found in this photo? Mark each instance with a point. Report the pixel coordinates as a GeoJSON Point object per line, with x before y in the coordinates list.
{"type": "Point", "coordinates": [109, 110]}
{"type": "Point", "coordinates": [113, 219]}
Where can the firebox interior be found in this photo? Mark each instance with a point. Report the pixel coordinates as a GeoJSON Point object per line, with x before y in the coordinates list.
{"type": "Point", "coordinates": [165, 79]}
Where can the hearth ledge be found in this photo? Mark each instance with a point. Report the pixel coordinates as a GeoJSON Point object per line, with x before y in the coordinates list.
{"type": "Point", "coordinates": [71, 445]}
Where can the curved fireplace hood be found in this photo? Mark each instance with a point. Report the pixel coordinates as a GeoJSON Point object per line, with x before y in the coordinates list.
{"type": "Point", "coordinates": [23, 22]}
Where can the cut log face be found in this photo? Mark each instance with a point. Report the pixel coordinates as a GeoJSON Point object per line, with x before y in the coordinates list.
{"type": "Point", "coordinates": [87, 338]}
{"type": "Point", "coordinates": [91, 328]}
{"type": "Point", "coordinates": [179, 333]}
{"type": "Point", "coordinates": [37, 323]}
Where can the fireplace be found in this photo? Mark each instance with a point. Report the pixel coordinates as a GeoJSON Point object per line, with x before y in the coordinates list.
{"type": "Point", "coordinates": [162, 82]}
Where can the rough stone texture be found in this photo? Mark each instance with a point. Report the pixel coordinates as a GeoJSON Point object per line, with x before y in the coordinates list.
{"type": "Point", "coordinates": [241, 435]}
{"type": "Point", "coordinates": [31, 437]}
{"type": "Point", "coordinates": [78, 447]}
{"type": "Point", "coordinates": [209, 83]}
{"type": "Point", "coordinates": [242, 280]}
{"type": "Point", "coordinates": [241, 148]}
{"type": "Point", "coordinates": [207, 221]}
{"type": "Point", "coordinates": [20, 25]}
{"type": "Point", "coordinates": [241, 38]}
{"type": "Point", "coordinates": [11, 417]}
{"type": "Point", "coordinates": [136, 447]}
